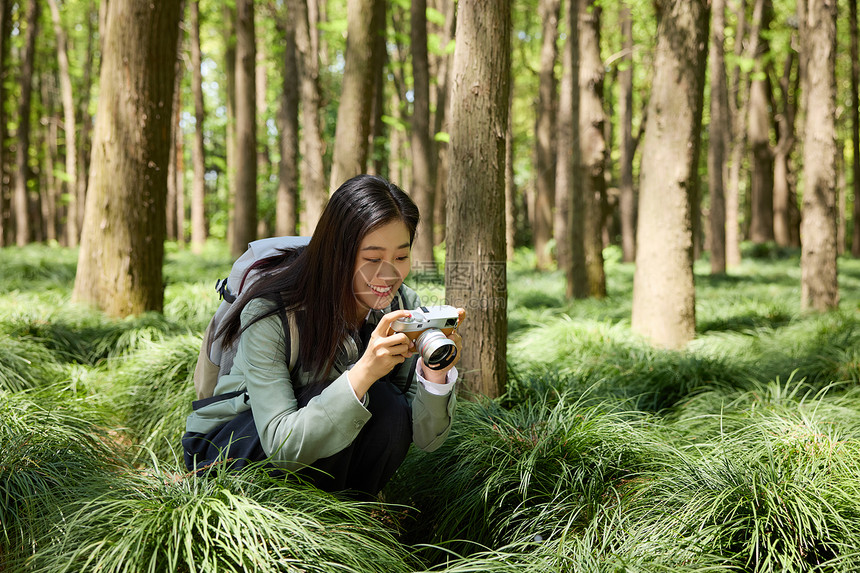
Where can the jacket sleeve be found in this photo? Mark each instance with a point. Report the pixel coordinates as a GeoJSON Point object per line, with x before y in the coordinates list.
{"type": "Point", "coordinates": [292, 437]}
{"type": "Point", "coordinates": [432, 415]}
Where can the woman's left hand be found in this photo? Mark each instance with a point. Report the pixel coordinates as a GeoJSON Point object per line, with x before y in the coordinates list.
{"type": "Point", "coordinates": [440, 376]}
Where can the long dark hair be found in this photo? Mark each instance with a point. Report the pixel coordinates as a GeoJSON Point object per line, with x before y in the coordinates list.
{"type": "Point", "coordinates": [317, 279]}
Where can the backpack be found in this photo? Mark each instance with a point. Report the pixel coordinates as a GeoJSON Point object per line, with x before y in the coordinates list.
{"type": "Point", "coordinates": [216, 360]}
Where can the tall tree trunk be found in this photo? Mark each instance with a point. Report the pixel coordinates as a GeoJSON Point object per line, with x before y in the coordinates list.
{"type": "Point", "coordinates": [760, 127]}
{"type": "Point", "coordinates": [245, 208]}
{"type": "Point", "coordinates": [592, 144]}
{"type": "Point", "coordinates": [423, 173]}
{"type": "Point", "coordinates": [85, 121]}
{"type": "Point", "coordinates": [179, 165]}
{"type": "Point", "coordinates": [545, 127]}
{"type": "Point", "coordinates": [627, 193]}
{"type": "Point", "coordinates": [173, 173]}
{"type": "Point", "coordinates": [198, 157]}
{"type": "Point", "coordinates": [313, 172]}
{"type": "Point", "coordinates": [564, 170]}
{"type": "Point", "coordinates": [576, 276]}
{"type": "Point", "coordinates": [510, 183]}
{"type": "Point", "coordinates": [378, 161]}
{"type": "Point", "coordinates": [122, 245]}
{"type": "Point", "coordinates": [229, 33]}
{"type": "Point", "coordinates": [819, 287]}
{"type": "Point", "coordinates": [855, 126]}
{"type": "Point", "coordinates": [48, 184]}
{"type": "Point", "coordinates": [22, 196]}
{"type": "Point", "coordinates": [286, 218]}
{"type": "Point", "coordinates": [475, 272]}
{"type": "Point", "coordinates": [786, 219]}
{"type": "Point", "coordinates": [5, 194]}
{"type": "Point", "coordinates": [440, 117]}
{"type": "Point", "coordinates": [70, 183]}
{"type": "Point", "coordinates": [353, 111]}
{"type": "Point", "coordinates": [261, 80]}
{"type": "Point", "coordinates": [663, 287]}
{"type": "Point", "coordinates": [718, 136]}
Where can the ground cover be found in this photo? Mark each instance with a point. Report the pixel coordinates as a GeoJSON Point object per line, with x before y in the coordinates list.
{"type": "Point", "coordinates": [741, 453]}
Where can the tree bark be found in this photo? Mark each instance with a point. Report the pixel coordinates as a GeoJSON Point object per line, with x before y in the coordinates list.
{"type": "Point", "coordinates": [718, 136]}
{"type": "Point", "coordinates": [576, 275]}
{"type": "Point", "coordinates": [855, 125]}
{"type": "Point", "coordinates": [627, 193]}
{"type": "Point", "coordinates": [312, 173]}
{"type": "Point", "coordinates": [592, 144]}
{"type": "Point", "coordinates": [198, 151]}
{"type": "Point", "coordinates": [440, 117]}
{"type": "Point", "coordinates": [819, 286]}
{"type": "Point", "coordinates": [423, 150]}
{"type": "Point", "coordinates": [663, 286]}
{"type": "Point", "coordinates": [245, 207]}
{"type": "Point", "coordinates": [786, 216]}
{"type": "Point", "coordinates": [475, 270]}
{"type": "Point", "coordinates": [23, 231]}
{"type": "Point", "coordinates": [564, 168]}
{"type": "Point", "coordinates": [353, 111]}
{"type": "Point", "coordinates": [760, 127]}
{"type": "Point", "coordinates": [70, 183]}
{"type": "Point", "coordinates": [510, 182]}
{"type": "Point", "coordinates": [122, 246]}
{"type": "Point", "coordinates": [545, 127]}
{"type": "Point", "coordinates": [228, 13]}
{"type": "Point", "coordinates": [5, 194]}
{"type": "Point", "coordinates": [286, 218]}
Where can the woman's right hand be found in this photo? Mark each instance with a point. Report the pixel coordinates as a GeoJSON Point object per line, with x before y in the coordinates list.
{"type": "Point", "coordinates": [384, 351]}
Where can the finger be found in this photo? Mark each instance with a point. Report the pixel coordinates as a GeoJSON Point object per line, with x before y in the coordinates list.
{"type": "Point", "coordinates": [384, 326]}
{"type": "Point", "coordinates": [461, 312]}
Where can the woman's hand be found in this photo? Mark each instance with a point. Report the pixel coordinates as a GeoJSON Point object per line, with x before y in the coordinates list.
{"type": "Point", "coordinates": [440, 376]}
{"type": "Point", "coordinates": [384, 351]}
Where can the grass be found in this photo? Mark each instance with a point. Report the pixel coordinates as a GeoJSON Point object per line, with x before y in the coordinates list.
{"type": "Point", "coordinates": [740, 453]}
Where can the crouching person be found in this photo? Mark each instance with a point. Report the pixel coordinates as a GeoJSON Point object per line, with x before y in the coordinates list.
{"type": "Point", "coordinates": [329, 377]}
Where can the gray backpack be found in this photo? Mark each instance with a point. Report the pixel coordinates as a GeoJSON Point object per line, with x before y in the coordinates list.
{"type": "Point", "coordinates": [215, 359]}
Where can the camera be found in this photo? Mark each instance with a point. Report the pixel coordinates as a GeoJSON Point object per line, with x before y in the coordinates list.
{"type": "Point", "coordinates": [429, 327]}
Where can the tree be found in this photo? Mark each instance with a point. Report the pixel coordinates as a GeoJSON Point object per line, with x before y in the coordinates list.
{"type": "Point", "coordinates": [819, 287]}
{"type": "Point", "coordinates": [567, 154]}
{"type": "Point", "coordinates": [198, 152]}
{"type": "Point", "coordinates": [286, 217]}
{"type": "Point", "coordinates": [5, 197]}
{"type": "Point", "coordinates": [71, 178]}
{"type": "Point", "coordinates": [475, 268]}
{"type": "Point", "coordinates": [627, 193]}
{"type": "Point", "coordinates": [663, 288]}
{"type": "Point", "coordinates": [245, 198]}
{"type": "Point", "coordinates": [22, 167]}
{"type": "Point", "coordinates": [423, 150]}
{"type": "Point", "coordinates": [353, 110]}
{"type": "Point", "coordinates": [855, 124]}
{"type": "Point", "coordinates": [312, 173]}
{"type": "Point", "coordinates": [591, 174]}
{"type": "Point", "coordinates": [760, 126]}
{"type": "Point", "coordinates": [548, 11]}
{"type": "Point", "coordinates": [122, 244]}
{"type": "Point", "coordinates": [718, 136]}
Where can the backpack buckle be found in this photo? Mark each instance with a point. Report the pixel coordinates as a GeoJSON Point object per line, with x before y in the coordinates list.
{"type": "Point", "coordinates": [224, 290]}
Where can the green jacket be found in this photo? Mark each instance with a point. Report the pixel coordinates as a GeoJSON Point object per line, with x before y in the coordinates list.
{"type": "Point", "coordinates": [293, 437]}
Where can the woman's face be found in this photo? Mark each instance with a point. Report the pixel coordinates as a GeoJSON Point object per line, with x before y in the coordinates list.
{"type": "Point", "coordinates": [380, 266]}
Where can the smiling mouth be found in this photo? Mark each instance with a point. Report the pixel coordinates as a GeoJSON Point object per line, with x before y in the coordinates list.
{"type": "Point", "coordinates": [380, 291]}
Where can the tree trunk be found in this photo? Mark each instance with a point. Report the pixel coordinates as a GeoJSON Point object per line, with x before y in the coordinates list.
{"type": "Point", "coordinates": [718, 135]}
{"type": "Point", "coordinates": [245, 207]}
{"type": "Point", "coordinates": [475, 272]}
{"type": "Point", "coordinates": [312, 173]}
{"type": "Point", "coordinates": [378, 161]}
{"type": "Point", "coordinates": [760, 120]}
{"type": "Point", "coordinates": [855, 126]}
{"type": "Point", "coordinates": [198, 158]}
{"type": "Point", "coordinates": [70, 183]}
{"type": "Point", "coordinates": [85, 121]}
{"type": "Point", "coordinates": [627, 193]}
{"type": "Point", "coordinates": [819, 287]}
{"type": "Point", "coordinates": [510, 183]}
{"type": "Point", "coordinates": [564, 169]}
{"type": "Point", "coordinates": [663, 287]}
{"type": "Point", "coordinates": [786, 217]}
{"type": "Point", "coordinates": [5, 194]}
{"type": "Point", "coordinates": [23, 232]}
{"type": "Point", "coordinates": [173, 173]}
{"type": "Point", "coordinates": [440, 117]}
{"type": "Point", "coordinates": [286, 219]}
{"type": "Point", "coordinates": [592, 144]}
{"type": "Point", "coordinates": [545, 127]}
{"type": "Point", "coordinates": [423, 150]}
{"type": "Point", "coordinates": [122, 245]}
{"type": "Point", "coordinates": [353, 111]}
{"type": "Point", "coordinates": [228, 13]}
{"type": "Point", "coordinates": [48, 184]}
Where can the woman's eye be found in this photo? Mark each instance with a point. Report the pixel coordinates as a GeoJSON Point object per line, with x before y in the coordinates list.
{"type": "Point", "coordinates": [404, 258]}
{"type": "Point", "coordinates": [372, 260]}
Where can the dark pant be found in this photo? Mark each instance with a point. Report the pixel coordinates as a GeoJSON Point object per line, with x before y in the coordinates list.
{"type": "Point", "coordinates": [364, 466]}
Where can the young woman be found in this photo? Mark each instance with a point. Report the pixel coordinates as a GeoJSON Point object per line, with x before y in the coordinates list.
{"type": "Point", "coordinates": [345, 414]}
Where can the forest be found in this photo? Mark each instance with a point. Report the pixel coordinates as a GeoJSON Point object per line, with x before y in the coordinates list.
{"type": "Point", "coordinates": [649, 208]}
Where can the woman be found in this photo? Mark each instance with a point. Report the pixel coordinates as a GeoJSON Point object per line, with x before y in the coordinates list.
{"type": "Point", "coordinates": [358, 396]}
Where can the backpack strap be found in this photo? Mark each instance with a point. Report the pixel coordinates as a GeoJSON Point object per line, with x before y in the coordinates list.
{"type": "Point", "coordinates": [291, 333]}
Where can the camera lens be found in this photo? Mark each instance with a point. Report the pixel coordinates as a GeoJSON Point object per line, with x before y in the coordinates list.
{"type": "Point", "coordinates": [436, 349]}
